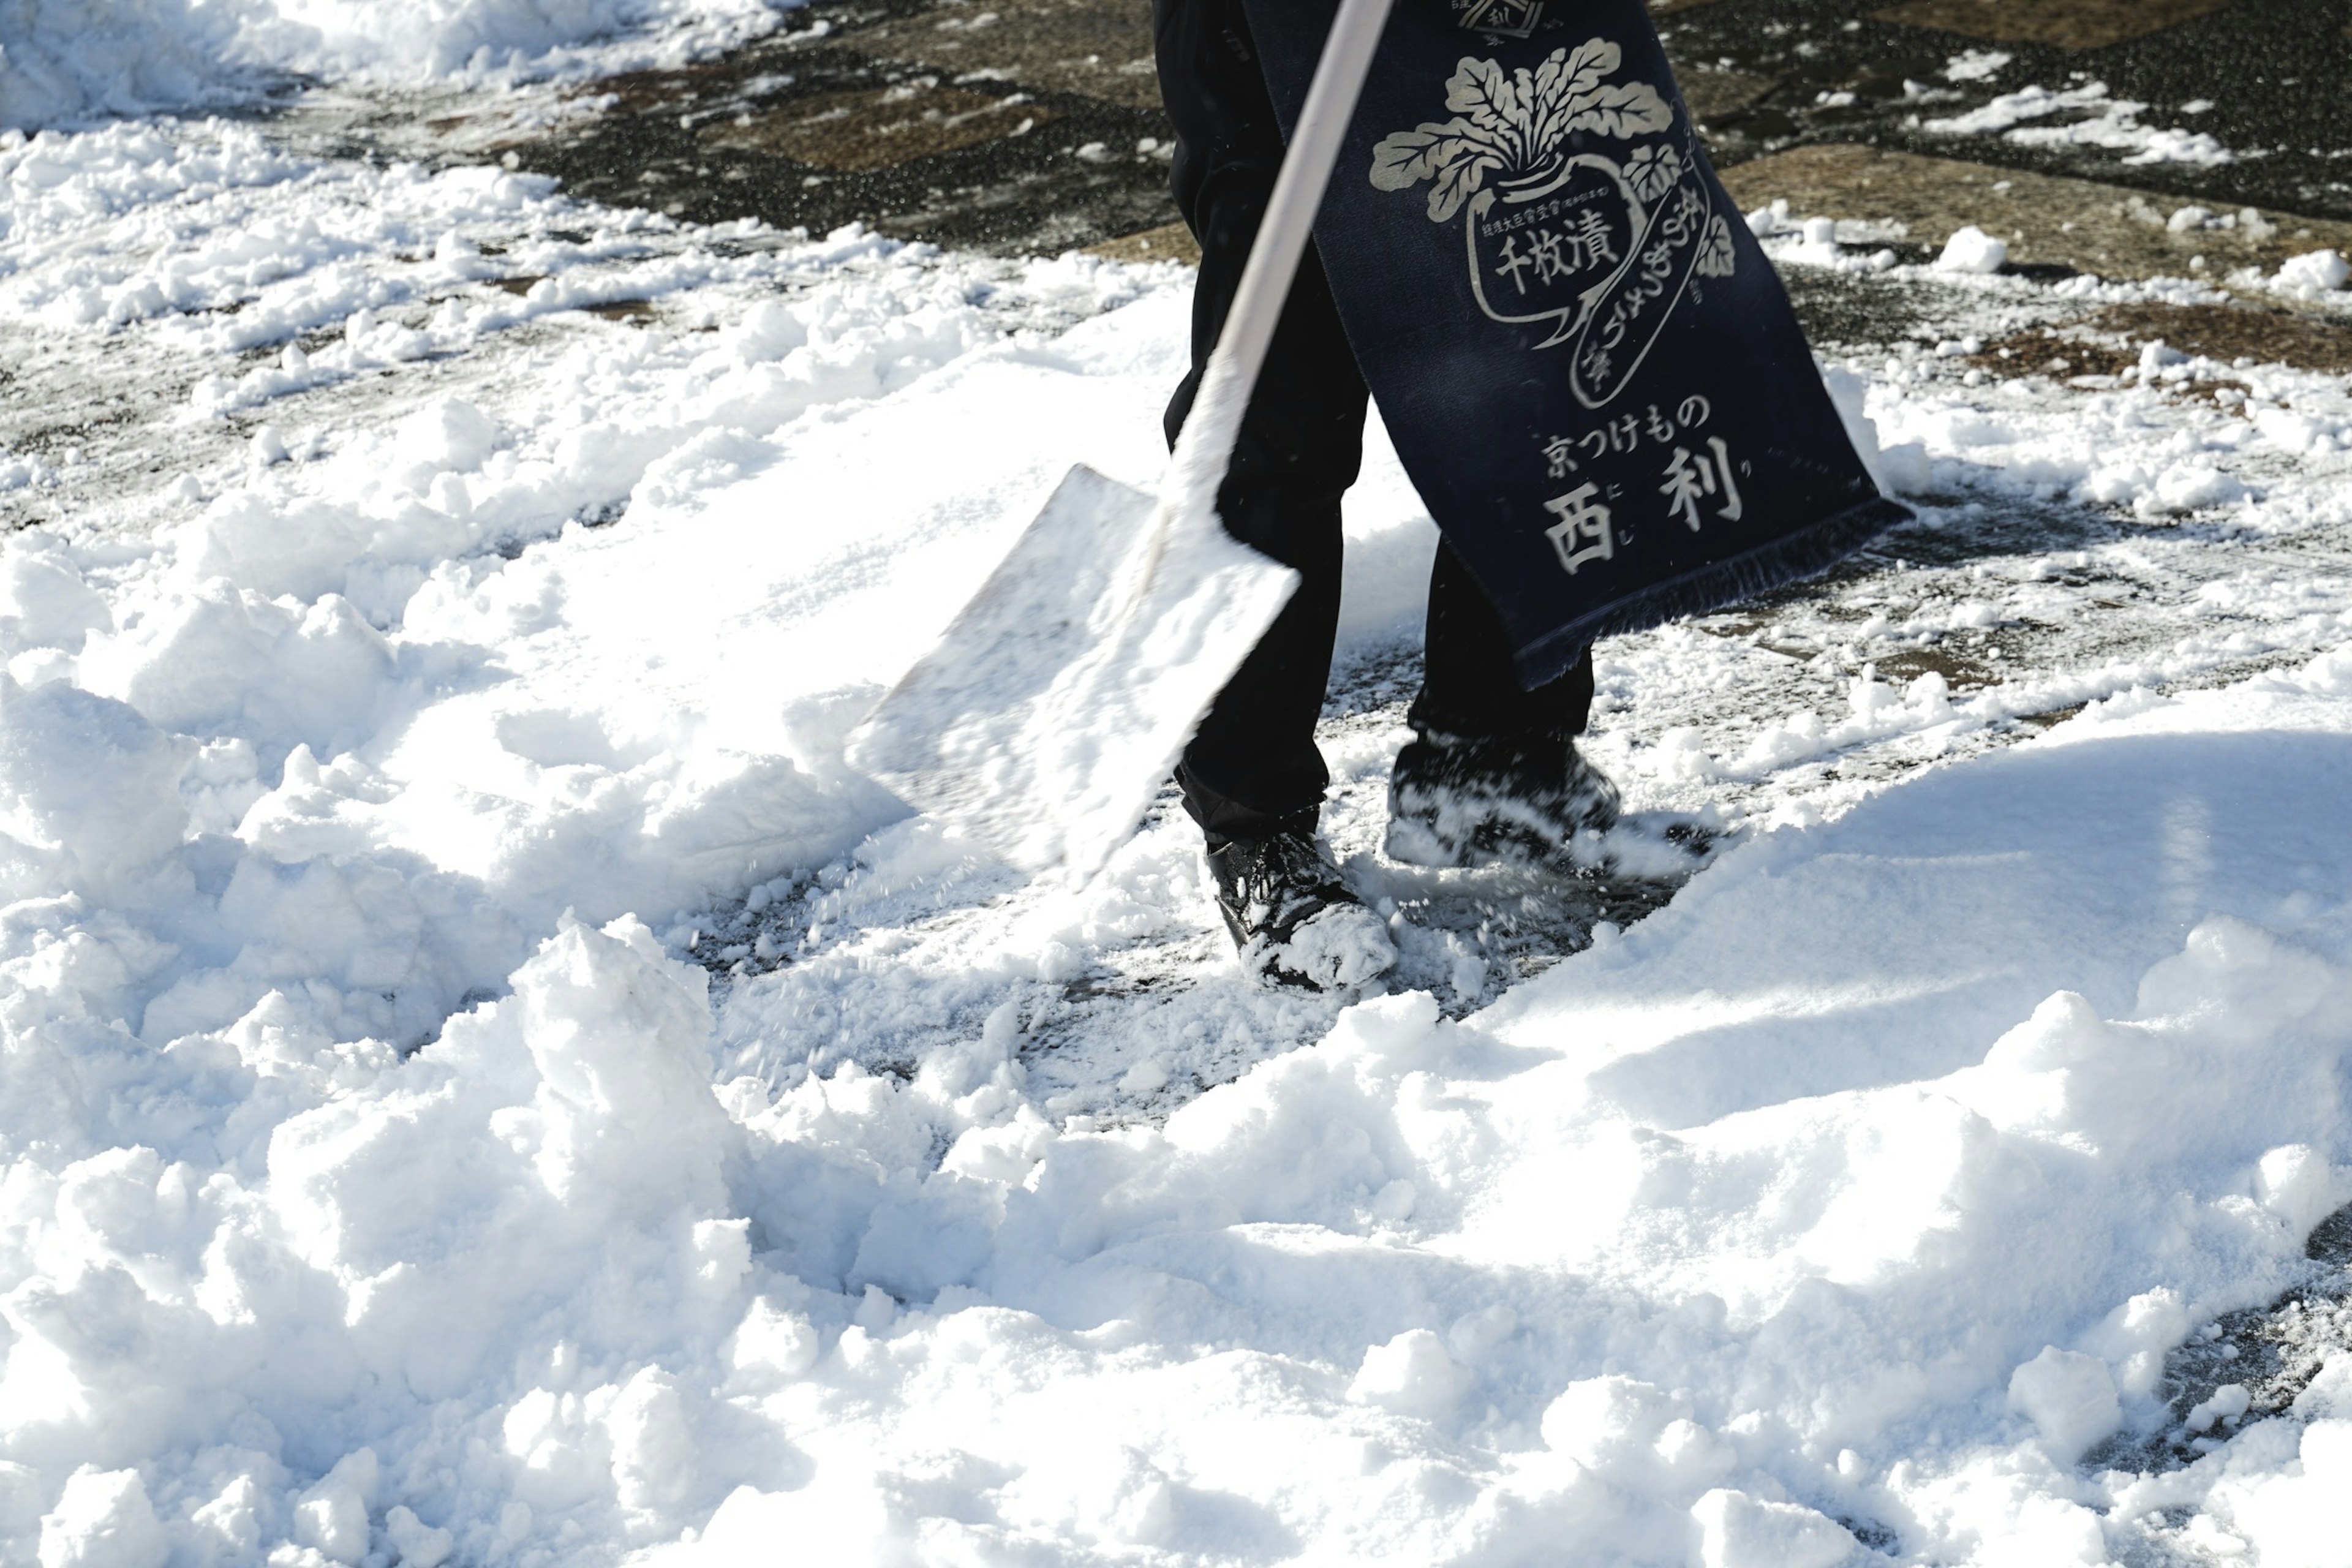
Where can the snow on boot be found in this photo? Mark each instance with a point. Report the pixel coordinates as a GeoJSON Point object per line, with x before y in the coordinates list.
{"type": "Point", "coordinates": [1480, 803]}
{"type": "Point", "coordinates": [1293, 920]}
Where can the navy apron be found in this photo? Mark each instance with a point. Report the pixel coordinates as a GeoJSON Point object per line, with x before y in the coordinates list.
{"type": "Point", "coordinates": [1590, 370]}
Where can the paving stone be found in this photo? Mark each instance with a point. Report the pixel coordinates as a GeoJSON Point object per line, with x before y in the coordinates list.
{"type": "Point", "coordinates": [2063, 24]}
{"type": "Point", "coordinates": [1712, 93]}
{"type": "Point", "coordinates": [2107, 344]}
{"type": "Point", "coordinates": [871, 129]}
{"type": "Point", "coordinates": [1169, 242]}
{"type": "Point", "coordinates": [1034, 126]}
{"type": "Point", "coordinates": [811, 129]}
{"type": "Point", "coordinates": [2269, 80]}
{"type": "Point", "coordinates": [1100, 49]}
{"type": "Point", "coordinates": [2082, 226]}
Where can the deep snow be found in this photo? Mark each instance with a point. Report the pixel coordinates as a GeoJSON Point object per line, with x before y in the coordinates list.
{"type": "Point", "coordinates": [485, 1081]}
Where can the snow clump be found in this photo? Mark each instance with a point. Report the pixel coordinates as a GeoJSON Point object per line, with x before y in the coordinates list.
{"type": "Point", "coordinates": [1975, 64]}
{"type": "Point", "coordinates": [2111, 123]}
{"type": "Point", "coordinates": [1971, 249]}
{"type": "Point", "coordinates": [2312, 274]}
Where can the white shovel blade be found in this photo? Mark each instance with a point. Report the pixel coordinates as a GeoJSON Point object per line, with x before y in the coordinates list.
{"type": "Point", "coordinates": [1056, 702]}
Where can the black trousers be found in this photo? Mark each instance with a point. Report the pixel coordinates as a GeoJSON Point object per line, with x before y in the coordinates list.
{"type": "Point", "coordinates": [1254, 766]}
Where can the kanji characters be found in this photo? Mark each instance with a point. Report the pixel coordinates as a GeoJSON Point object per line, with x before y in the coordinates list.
{"type": "Point", "coordinates": [1514, 265]}
{"type": "Point", "coordinates": [1691, 478]}
{"type": "Point", "coordinates": [1550, 262]}
{"type": "Point", "coordinates": [1592, 237]}
{"type": "Point", "coordinates": [1585, 247]}
{"type": "Point", "coordinates": [1583, 532]}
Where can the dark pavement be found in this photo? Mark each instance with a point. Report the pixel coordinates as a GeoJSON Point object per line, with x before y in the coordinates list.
{"type": "Point", "coordinates": [1034, 125]}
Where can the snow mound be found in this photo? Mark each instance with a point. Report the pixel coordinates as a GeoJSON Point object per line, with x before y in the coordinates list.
{"type": "Point", "coordinates": [1971, 249]}
{"type": "Point", "coordinates": [2312, 274]}
{"type": "Point", "coordinates": [1344, 947]}
{"type": "Point", "coordinates": [476, 37]}
{"type": "Point", "coordinates": [66, 60]}
{"type": "Point", "coordinates": [69, 59]}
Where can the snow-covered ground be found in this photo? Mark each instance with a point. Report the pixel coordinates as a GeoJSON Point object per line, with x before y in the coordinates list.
{"type": "Point", "coordinates": [486, 1082]}
{"type": "Point", "coordinates": [68, 60]}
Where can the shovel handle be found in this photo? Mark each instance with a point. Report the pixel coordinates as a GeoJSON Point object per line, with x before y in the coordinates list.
{"type": "Point", "coordinates": [1204, 449]}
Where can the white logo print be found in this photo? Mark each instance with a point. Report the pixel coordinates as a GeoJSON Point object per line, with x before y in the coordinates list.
{"type": "Point", "coordinates": [1602, 247]}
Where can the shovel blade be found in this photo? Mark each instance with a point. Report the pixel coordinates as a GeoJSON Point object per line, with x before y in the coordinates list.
{"type": "Point", "coordinates": [1054, 706]}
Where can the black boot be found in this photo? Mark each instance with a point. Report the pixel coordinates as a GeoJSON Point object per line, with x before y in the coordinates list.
{"type": "Point", "coordinates": [1292, 919]}
{"type": "Point", "coordinates": [1478, 803]}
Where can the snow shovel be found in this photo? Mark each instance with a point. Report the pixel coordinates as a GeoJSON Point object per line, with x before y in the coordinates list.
{"type": "Point", "coordinates": [1057, 700]}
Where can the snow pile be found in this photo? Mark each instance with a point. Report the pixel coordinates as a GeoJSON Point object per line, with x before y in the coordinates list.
{"type": "Point", "coordinates": [1971, 249]}
{"type": "Point", "coordinates": [2111, 124]}
{"type": "Point", "coordinates": [1817, 241]}
{"type": "Point", "coordinates": [2311, 275]}
{"type": "Point", "coordinates": [297, 610]}
{"type": "Point", "coordinates": [478, 38]}
{"type": "Point", "coordinates": [379, 1182]}
{"type": "Point", "coordinates": [63, 60]}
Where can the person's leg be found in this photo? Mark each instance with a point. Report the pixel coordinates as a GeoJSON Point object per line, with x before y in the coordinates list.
{"type": "Point", "coordinates": [1470, 685]}
{"type": "Point", "coordinates": [1491, 770]}
{"type": "Point", "coordinates": [1252, 770]}
{"type": "Point", "coordinates": [1252, 777]}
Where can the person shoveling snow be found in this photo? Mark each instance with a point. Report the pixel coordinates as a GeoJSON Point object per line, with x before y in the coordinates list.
{"type": "Point", "coordinates": [1493, 771]}
{"type": "Point", "coordinates": [1609, 411]}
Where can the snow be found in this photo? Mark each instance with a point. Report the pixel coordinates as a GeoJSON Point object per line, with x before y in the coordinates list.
{"type": "Point", "coordinates": [62, 60]}
{"type": "Point", "coordinates": [2071, 1399]}
{"type": "Point", "coordinates": [2111, 122]}
{"type": "Point", "coordinates": [1976, 65]}
{"type": "Point", "coordinates": [390, 1169]}
{"type": "Point", "coordinates": [1971, 249]}
{"type": "Point", "coordinates": [2312, 274]}
{"type": "Point", "coordinates": [72, 60]}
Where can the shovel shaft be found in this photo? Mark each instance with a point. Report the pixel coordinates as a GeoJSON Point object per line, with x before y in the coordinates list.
{"type": "Point", "coordinates": [1206, 447]}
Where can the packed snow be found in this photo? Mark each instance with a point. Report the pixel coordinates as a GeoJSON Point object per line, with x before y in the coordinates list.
{"type": "Point", "coordinates": [487, 1081]}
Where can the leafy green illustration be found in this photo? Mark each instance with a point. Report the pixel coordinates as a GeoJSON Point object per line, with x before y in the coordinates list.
{"type": "Point", "coordinates": [1653, 171]}
{"type": "Point", "coordinates": [1513, 123]}
{"type": "Point", "coordinates": [1456, 157]}
{"type": "Point", "coordinates": [1717, 258]}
